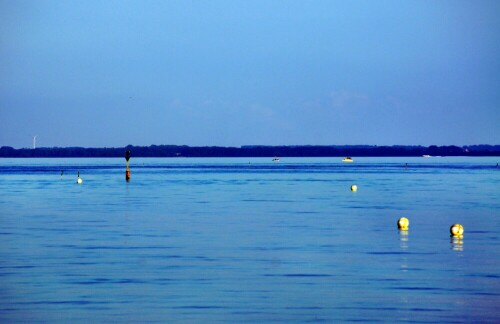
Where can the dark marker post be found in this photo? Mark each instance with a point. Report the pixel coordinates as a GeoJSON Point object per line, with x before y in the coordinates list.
{"type": "Point", "coordinates": [127, 170]}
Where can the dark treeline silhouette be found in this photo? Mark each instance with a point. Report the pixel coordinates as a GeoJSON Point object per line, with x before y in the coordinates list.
{"type": "Point", "coordinates": [254, 151]}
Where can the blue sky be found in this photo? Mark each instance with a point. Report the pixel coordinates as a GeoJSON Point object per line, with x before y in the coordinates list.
{"type": "Point", "coordinates": [231, 73]}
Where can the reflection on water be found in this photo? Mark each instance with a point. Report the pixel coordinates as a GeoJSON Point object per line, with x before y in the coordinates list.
{"type": "Point", "coordinates": [457, 243]}
{"type": "Point", "coordinates": [403, 239]}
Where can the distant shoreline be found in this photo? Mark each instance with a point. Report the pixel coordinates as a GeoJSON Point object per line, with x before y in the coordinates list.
{"type": "Point", "coordinates": [253, 151]}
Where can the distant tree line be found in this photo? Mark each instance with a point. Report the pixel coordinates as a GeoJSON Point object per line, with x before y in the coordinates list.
{"type": "Point", "coordinates": [253, 151]}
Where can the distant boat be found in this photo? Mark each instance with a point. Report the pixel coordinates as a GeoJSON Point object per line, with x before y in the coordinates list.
{"type": "Point", "coordinates": [426, 156]}
{"type": "Point", "coordinates": [276, 159]}
{"type": "Point", "coordinates": [348, 159]}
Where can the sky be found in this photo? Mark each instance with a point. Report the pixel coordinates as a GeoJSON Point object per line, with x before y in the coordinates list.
{"type": "Point", "coordinates": [261, 72]}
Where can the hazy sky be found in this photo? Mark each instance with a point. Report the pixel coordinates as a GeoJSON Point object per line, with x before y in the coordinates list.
{"type": "Point", "coordinates": [231, 73]}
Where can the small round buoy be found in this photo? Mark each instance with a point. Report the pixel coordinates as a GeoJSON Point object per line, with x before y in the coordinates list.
{"type": "Point", "coordinates": [79, 180]}
{"type": "Point", "coordinates": [403, 223]}
{"type": "Point", "coordinates": [354, 188]}
{"type": "Point", "coordinates": [456, 230]}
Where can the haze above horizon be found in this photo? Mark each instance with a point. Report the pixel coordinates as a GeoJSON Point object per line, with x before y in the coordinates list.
{"type": "Point", "coordinates": [233, 73]}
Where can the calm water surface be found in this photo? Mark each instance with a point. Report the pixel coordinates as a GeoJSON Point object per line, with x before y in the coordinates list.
{"type": "Point", "coordinates": [248, 240]}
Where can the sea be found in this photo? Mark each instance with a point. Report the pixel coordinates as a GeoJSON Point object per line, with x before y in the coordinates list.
{"type": "Point", "coordinates": [228, 240]}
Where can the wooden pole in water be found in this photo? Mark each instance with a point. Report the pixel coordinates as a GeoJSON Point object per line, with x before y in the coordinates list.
{"type": "Point", "coordinates": [127, 169]}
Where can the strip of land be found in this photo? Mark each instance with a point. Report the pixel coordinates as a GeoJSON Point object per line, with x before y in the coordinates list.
{"type": "Point", "coordinates": [254, 151]}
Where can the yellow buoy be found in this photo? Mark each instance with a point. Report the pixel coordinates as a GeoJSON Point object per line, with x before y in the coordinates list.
{"type": "Point", "coordinates": [456, 230]}
{"type": "Point", "coordinates": [354, 188]}
{"type": "Point", "coordinates": [403, 223]}
{"type": "Point", "coordinates": [79, 180]}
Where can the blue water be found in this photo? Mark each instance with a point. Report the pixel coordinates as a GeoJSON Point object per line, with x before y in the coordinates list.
{"type": "Point", "coordinates": [248, 240]}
